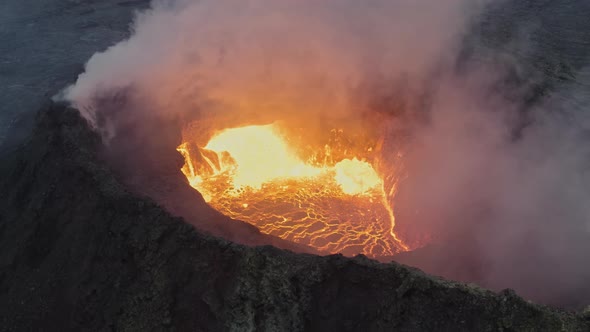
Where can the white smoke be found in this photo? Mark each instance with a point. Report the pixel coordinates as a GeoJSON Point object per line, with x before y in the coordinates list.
{"type": "Point", "coordinates": [521, 202]}
{"type": "Point", "coordinates": [274, 57]}
{"type": "Point", "coordinates": [518, 204]}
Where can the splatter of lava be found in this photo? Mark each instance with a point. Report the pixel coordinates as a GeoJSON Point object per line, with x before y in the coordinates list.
{"type": "Point", "coordinates": [333, 204]}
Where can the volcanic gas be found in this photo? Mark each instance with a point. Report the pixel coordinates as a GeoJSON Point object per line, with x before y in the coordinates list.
{"type": "Point", "coordinates": [325, 196]}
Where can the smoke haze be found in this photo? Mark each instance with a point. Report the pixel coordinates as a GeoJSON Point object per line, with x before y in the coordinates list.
{"type": "Point", "coordinates": [272, 57]}
{"type": "Point", "coordinates": [512, 196]}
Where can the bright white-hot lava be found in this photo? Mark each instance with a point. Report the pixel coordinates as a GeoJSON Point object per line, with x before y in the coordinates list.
{"type": "Point", "coordinates": [259, 156]}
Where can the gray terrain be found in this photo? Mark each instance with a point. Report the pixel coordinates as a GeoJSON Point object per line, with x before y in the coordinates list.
{"type": "Point", "coordinates": [43, 48]}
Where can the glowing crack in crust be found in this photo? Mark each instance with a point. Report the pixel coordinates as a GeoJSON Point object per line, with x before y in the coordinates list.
{"type": "Point", "coordinates": [251, 174]}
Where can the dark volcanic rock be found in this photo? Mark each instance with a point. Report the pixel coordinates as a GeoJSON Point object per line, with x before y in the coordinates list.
{"type": "Point", "coordinates": [78, 251]}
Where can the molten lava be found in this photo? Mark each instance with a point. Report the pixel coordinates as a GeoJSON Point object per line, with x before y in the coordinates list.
{"type": "Point", "coordinates": [254, 174]}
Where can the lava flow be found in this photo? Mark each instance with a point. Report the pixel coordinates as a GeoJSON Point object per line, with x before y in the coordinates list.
{"type": "Point", "coordinates": [252, 174]}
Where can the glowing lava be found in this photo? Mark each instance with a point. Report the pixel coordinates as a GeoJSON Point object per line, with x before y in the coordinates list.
{"type": "Point", "coordinates": [252, 174]}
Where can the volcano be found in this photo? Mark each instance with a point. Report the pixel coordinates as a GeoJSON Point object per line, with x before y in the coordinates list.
{"type": "Point", "coordinates": [271, 165]}
{"type": "Point", "coordinates": [83, 250]}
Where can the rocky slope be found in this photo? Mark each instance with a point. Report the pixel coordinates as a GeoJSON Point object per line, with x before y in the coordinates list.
{"type": "Point", "coordinates": [79, 252]}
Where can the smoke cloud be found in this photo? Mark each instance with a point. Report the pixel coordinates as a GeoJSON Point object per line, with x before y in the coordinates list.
{"type": "Point", "coordinates": [272, 58]}
{"type": "Point", "coordinates": [510, 196]}
{"type": "Point", "coordinates": [513, 206]}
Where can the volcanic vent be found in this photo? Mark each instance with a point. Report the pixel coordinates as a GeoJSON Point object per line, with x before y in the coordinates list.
{"type": "Point", "coordinates": [292, 135]}
{"type": "Point", "coordinates": [325, 191]}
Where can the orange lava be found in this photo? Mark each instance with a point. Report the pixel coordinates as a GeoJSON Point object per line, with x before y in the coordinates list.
{"type": "Point", "coordinates": [252, 174]}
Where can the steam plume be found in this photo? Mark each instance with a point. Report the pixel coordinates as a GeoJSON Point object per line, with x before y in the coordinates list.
{"type": "Point", "coordinates": [518, 203]}
{"type": "Point", "coordinates": [272, 57]}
